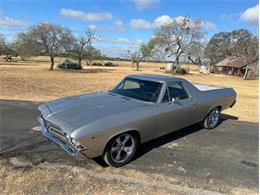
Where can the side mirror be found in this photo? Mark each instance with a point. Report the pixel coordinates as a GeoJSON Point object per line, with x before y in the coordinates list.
{"type": "Point", "coordinates": [175, 100]}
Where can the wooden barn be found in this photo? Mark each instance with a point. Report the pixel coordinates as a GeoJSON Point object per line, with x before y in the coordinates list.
{"type": "Point", "coordinates": [232, 65]}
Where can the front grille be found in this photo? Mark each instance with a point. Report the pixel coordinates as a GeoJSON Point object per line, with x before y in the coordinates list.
{"type": "Point", "coordinates": [57, 136]}
{"type": "Point", "coordinates": [54, 130]}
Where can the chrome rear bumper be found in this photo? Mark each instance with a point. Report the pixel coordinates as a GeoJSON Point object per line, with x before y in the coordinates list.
{"type": "Point", "coordinates": [67, 147]}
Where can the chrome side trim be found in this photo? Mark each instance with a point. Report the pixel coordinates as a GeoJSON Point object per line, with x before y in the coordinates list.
{"type": "Point", "coordinates": [69, 149]}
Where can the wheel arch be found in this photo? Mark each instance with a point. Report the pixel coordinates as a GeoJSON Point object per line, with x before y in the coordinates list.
{"type": "Point", "coordinates": [215, 106]}
{"type": "Point", "coordinates": [130, 131]}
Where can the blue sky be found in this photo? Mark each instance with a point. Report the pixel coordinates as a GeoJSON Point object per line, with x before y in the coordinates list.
{"type": "Point", "coordinates": [126, 23]}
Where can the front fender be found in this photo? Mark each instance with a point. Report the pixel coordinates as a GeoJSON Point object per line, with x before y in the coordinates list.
{"type": "Point", "coordinates": [96, 135]}
{"type": "Point", "coordinates": [97, 143]}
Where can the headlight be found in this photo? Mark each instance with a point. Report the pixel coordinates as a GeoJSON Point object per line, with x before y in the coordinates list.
{"type": "Point", "coordinates": [75, 142]}
{"type": "Point", "coordinates": [78, 145]}
{"type": "Point", "coordinates": [68, 137]}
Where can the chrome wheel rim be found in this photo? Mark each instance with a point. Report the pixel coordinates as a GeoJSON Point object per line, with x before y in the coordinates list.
{"type": "Point", "coordinates": [213, 117]}
{"type": "Point", "coordinates": [122, 148]}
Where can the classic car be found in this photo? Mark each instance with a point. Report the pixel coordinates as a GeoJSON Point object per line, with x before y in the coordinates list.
{"type": "Point", "coordinates": [141, 107]}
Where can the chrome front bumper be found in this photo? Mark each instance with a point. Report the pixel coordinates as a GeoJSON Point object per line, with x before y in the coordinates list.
{"type": "Point", "coordinates": [65, 146]}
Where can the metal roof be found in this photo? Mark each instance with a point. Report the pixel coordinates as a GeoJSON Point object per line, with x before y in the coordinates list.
{"type": "Point", "coordinates": [154, 77]}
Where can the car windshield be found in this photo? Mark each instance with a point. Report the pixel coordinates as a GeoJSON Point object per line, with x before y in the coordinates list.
{"type": "Point", "coordinates": [139, 89]}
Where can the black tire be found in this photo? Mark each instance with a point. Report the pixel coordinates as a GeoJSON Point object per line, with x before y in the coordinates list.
{"type": "Point", "coordinates": [114, 147]}
{"type": "Point", "coordinates": [212, 119]}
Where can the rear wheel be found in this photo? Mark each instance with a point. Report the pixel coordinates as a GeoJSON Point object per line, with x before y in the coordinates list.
{"type": "Point", "coordinates": [121, 150]}
{"type": "Point", "coordinates": [212, 119]}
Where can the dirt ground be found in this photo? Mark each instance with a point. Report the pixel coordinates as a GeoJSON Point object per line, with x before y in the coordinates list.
{"type": "Point", "coordinates": [92, 181]}
{"type": "Point", "coordinates": [30, 80]}
{"type": "Point", "coordinates": [55, 178]}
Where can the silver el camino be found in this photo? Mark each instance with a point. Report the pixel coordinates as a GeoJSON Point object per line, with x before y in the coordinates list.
{"type": "Point", "coordinates": [141, 107]}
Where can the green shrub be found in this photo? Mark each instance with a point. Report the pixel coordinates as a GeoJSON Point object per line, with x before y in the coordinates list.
{"type": "Point", "coordinates": [110, 64]}
{"type": "Point", "coordinates": [97, 64]}
{"type": "Point", "coordinates": [182, 71]}
{"type": "Point", "coordinates": [8, 58]}
{"type": "Point", "coordinates": [69, 65]}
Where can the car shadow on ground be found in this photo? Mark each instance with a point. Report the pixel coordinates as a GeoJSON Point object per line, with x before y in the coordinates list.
{"type": "Point", "coordinates": [158, 142]}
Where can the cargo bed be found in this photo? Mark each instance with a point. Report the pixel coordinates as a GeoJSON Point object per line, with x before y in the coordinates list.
{"type": "Point", "coordinates": [202, 87]}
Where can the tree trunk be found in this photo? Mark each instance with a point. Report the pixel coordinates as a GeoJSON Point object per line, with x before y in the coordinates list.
{"type": "Point", "coordinates": [88, 62]}
{"type": "Point", "coordinates": [79, 61]}
{"type": "Point", "coordinates": [137, 66]}
{"type": "Point", "coordinates": [52, 63]}
{"type": "Point", "coordinates": [137, 63]}
{"type": "Point", "coordinates": [133, 64]}
{"type": "Point", "coordinates": [22, 58]}
{"type": "Point", "coordinates": [177, 65]}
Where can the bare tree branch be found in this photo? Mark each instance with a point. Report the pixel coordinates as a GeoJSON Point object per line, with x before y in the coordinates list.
{"type": "Point", "coordinates": [178, 37]}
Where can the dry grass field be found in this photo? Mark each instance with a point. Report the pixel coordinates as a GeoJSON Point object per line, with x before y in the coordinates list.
{"type": "Point", "coordinates": [31, 81]}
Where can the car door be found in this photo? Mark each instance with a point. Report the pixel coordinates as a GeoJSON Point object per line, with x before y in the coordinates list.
{"type": "Point", "coordinates": [176, 114]}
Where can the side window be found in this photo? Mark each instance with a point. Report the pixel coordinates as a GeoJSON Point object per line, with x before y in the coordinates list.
{"type": "Point", "coordinates": [177, 91]}
{"type": "Point", "coordinates": [165, 97]}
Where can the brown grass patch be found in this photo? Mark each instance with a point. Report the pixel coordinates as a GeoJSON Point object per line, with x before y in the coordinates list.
{"type": "Point", "coordinates": [32, 81]}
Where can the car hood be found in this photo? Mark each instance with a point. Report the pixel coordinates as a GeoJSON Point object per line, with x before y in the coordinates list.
{"type": "Point", "coordinates": [81, 110]}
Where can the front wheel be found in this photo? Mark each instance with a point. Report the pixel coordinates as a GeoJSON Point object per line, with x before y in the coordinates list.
{"type": "Point", "coordinates": [212, 119]}
{"type": "Point", "coordinates": [120, 150]}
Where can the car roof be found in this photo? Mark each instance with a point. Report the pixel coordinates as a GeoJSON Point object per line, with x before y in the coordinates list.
{"type": "Point", "coordinates": [155, 77]}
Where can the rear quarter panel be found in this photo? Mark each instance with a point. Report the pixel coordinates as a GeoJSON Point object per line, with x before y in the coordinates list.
{"type": "Point", "coordinates": [212, 98]}
{"type": "Point", "coordinates": [206, 100]}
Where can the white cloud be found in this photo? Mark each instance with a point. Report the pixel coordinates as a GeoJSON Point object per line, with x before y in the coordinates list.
{"type": "Point", "coordinates": [196, 24]}
{"type": "Point", "coordinates": [124, 41]}
{"type": "Point", "coordinates": [119, 26]}
{"type": "Point", "coordinates": [162, 20]}
{"type": "Point", "coordinates": [145, 4]}
{"type": "Point", "coordinates": [251, 15]}
{"type": "Point", "coordinates": [10, 27]}
{"type": "Point", "coordinates": [118, 23]}
{"type": "Point", "coordinates": [10, 22]}
{"type": "Point", "coordinates": [208, 25]}
{"type": "Point", "coordinates": [140, 24]}
{"type": "Point", "coordinates": [92, 27]}
{"type": "Point", "coordinates": [112, 51]}
{"type": "Point", "coordinates": [83, 16]}
{"type": "Point", "coordinates": [233, 17]}
{"type": "Point", "coordinates": [179, 19]}
{"type": "Point", "coordinates": [129, 41]}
